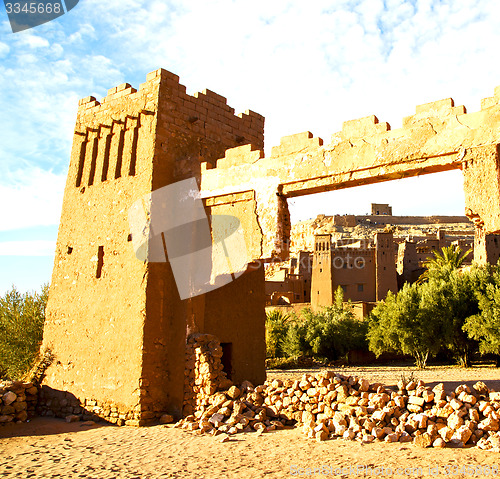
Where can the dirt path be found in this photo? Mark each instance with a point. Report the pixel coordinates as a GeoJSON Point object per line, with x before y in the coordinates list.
{"type": "Point", "coordinates": [52, 448]}
{"type": "Point", "coordinates": [450, 376]}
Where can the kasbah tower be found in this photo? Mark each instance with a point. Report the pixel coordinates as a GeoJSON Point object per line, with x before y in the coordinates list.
{"type": "Point", "coordinates": [115, 325]}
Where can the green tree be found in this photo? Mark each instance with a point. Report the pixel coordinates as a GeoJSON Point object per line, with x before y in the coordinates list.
{"type": "Point", "coordinates": [443, 263]}
{"type": "Point", "coordinates": [21, 329]}
{"type": "Point", "coordinates": [485, 325]}
{"type": "Point", "coordinates": [422, 318]}
{"type": "Point", "coordinates": [402, 323]}
{"type": "Point", "coordinates": [452, 300]}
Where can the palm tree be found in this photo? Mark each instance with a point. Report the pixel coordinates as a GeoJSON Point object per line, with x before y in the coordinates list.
{"type": "Point", "coordinates": [449, 259]}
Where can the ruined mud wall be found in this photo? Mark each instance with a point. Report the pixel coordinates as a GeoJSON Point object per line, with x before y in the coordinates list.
{"type": "Point", "coordinates": [438, 137]}
{"type": "Point", "coordinates": [204, 373]}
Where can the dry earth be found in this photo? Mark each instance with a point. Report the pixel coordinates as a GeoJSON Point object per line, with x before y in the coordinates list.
{"type": "Point", "coordinates": [52, 448]}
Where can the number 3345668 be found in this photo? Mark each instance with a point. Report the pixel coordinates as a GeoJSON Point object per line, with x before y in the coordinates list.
{"type": "Point", "coordinates": [33, 8]}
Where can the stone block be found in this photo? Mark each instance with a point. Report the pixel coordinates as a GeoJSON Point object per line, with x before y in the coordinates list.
{"type": "Point", "coordinates": [423, 440]}
{"type": "Point", "coordinates": [9, 397]}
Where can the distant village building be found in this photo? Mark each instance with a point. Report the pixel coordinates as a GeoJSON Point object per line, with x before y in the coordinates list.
{"type": "Point", "coordinates": [487, 248]}
{"type": "Point", "coordinates": [381, 209]}
{"type": "Point", "coordinates": [413, 253]}
{"type": "Point", "coordinates": [365, 270]}
{"type": "Point", "coordinates": [291, 284]}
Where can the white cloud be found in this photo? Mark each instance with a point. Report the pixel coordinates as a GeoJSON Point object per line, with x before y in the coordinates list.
{"type": "Point", "coordinates": [4, 49]}
{"type": "Point", "coordinates": [32, 41]}
{"type": "Point", "coordinates": [27, 248]}
{"type": "Point", "coordinates": [30, 198]}
{"type": "Point", "coordinates": [85, 31]}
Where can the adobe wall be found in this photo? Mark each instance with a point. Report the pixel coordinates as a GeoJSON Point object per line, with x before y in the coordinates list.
{"type": "Point", "coordinates": [381, 209]}
{"type": "Point", "coordinates": [235, 314]}
{"type": "Point", "coordinates": [386, 277]}
{"type": "Point", "coordinates": [321, 280]}
{"type": "Point", "coordinates": [95, 314]}
{"type": "Point", "coordinates": [486, 248]}
{"type": "Point", "coordinates": [414, 220]}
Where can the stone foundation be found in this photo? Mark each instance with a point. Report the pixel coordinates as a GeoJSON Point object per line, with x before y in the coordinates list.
{"type": "Point", "coordinates": [17, 401]}
{"type": "Point", "coordinates": [63, 404]}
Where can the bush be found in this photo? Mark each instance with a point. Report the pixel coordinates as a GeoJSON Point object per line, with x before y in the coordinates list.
{"type": "Point", "coordinates": [21, 329]}
{"type": "Point", "coordinates": [429, 316]}
{"type": "Point", "coordinates": [334, 331]}
{"type": "Point", "coordinates": [276, 330]}
{"type": "Point", "coordinates": [294, 343]}
{"type": "Point", "coordinates": [330, 333]}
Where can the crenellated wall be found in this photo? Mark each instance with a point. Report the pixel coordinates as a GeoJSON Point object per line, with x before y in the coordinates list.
{"type": "Point", "coordinates": [438, 137]}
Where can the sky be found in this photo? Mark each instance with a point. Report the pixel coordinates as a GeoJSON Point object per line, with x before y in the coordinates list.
{"type": "Point", "coordinates": [305, 66]}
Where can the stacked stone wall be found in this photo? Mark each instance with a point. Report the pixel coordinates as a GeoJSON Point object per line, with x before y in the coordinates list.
{"type": "Point", "coordinates": [63, 404]}
{"type": "Point", "coordinates": [17, 401]}
{"type": "Point", "coordinates": [204, 374]}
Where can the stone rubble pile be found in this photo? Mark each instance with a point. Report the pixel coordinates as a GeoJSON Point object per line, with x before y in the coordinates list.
{"type": "Point", "coordinates": [329, 405]}
{"type": "Point", "coordinates": [17, 401]}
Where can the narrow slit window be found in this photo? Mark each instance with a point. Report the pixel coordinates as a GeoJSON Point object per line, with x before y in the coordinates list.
{"type": "Point", "coordinates": [105, 166]}
{"type": "Point", "coordinates": [119, 158]}
{"type": "Point", "coordinates": [100, 261]}
{"type": "Point", "coordinates": [81, 162]}
{"type": "Point", "coordinates": [93, 162]}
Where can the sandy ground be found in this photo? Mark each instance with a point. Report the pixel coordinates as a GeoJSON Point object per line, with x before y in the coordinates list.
{"type": "Point", "coordinates": [53, 448]}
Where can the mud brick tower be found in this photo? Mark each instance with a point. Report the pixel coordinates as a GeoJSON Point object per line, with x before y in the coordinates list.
{"type": "Point", "coordinates": [116, 325]}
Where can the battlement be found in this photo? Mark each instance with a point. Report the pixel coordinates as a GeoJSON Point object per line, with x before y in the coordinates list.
{"type": "Point", "coordinates": [238, 155]}
{"type": "Point", "coordinates": [295, 143]}
{"type": "Point", "coordinates": [198, 105]}
{"type": "Point", "coordinates": [109, 133]}
{"type": "Point", "coordinates": [439, 108]}
{"type": "Point", "coordinates": [492, 100]}
{"type": "Point", "coordinates": [366, 126]}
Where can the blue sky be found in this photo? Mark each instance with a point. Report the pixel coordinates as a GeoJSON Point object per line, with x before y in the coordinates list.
{"type": "Point", "coordinates": [303, 65]}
